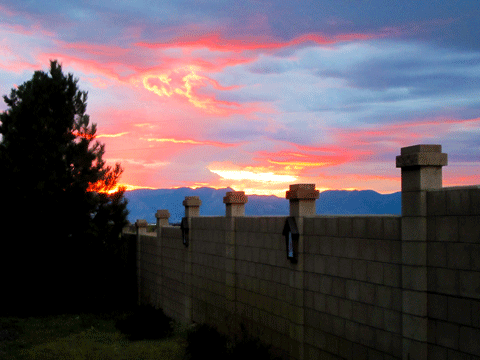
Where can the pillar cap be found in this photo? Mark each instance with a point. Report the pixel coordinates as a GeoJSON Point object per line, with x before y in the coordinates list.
{"type": "Point", "coordinates": [302, 192]}
{"type": "Point", "coordinates": [421, 155]}
{"type": "Point", "coordinates": [192, 201]}
{"type": "Point", "coordinates": [235, 197]}
{"type": "Point", "coordinates": [162, 214]}
{"type": "Point", "coordinates": [141, 223]}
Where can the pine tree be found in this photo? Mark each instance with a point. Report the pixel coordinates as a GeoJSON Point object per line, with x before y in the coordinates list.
{"type": "Point", "coordinates": [60, 202]}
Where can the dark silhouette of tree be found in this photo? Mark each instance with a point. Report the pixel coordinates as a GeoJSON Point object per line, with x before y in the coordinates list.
{"type": "Point", "coordinates": [61, 210]}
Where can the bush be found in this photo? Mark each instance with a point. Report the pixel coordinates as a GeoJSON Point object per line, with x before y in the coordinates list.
{"type": "Point", "coordinates": [206, 341]}
{"type": "Point", "coordinates": [145, 323]}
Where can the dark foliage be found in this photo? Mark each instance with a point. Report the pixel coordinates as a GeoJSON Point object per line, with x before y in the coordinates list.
{"type": "Point", "coordinates": [144, 323]}
{"type": "Point", "coordinates": [206, 342]}
{"type": "Point", "coordinates": [61, 225]}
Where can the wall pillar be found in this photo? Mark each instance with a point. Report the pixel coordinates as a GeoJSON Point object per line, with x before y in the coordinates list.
{"type": "Point", "coordinates": [302, 199]}
{"type": "Point", "coordinates": [234, 207]}
{"type": "Point", "coordinates": [421, 171]}
{"type": "Point", "coordinates": [192, 209]}
{"type": "Point", "coordinates": [162, 220]}
{"type": "Point", "coordinates": [235, 203]}
{"type": "Point", "coordinates": [141, 226]}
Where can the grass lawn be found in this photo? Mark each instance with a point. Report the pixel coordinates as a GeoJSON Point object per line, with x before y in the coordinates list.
{"type": "Point", "coordinates": [82, 336]}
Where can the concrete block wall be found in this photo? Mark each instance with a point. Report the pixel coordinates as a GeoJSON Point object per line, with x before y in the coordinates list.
{"type": "Point", "coordinates": [207, 243]}
{"type": "Point", "coordinates": [353, 294]}
{"type": "Point", "coordinates": [268, 295]}
{"type": "Point", "coordinates": [453, 248]}
{"type": "Point", "coordinates": [173, 277]}
{"type": "Point", "coordinates": [361, 287]}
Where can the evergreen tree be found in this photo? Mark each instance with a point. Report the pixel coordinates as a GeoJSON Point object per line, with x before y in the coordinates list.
{"type": "Point", "coordinates": [60, 212]}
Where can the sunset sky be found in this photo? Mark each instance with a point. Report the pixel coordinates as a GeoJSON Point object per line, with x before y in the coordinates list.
{"type": "Point", "coordinates": [257, 95]}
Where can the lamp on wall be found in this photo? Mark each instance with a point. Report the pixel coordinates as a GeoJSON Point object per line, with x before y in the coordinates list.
{"type": "Point", "coordinates": [290, 231]}
{"type": "Point", "coordinates": [185, 231]}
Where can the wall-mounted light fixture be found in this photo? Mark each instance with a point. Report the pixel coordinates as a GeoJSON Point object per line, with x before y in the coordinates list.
{"type": "Point", "coordinates": [185, 231]}
{"type": "Point", "coordinates": [290, 231]}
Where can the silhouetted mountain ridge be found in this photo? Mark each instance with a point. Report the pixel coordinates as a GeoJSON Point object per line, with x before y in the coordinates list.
{"type": "Point", "coordinates": [144, 203]}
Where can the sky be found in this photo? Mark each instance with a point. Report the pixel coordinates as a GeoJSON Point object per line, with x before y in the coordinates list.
{"type": "Point", "coordinates": [258, 95]}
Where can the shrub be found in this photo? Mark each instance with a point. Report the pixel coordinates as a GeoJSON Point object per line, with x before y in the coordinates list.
{"type": "Point", "coordinates": [206, 341]}
{"type": "Point", "coordinates": [144, 323]}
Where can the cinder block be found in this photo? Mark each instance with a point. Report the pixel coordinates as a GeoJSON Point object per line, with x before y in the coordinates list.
{"type": "Point", "coordinates": [383, 251]}
{"type": "Point", "coordinates": [436, 203]}
{"type": "Point", "coordinates": [319, 226]}
{"type": "Point", "coordinates": [360, 312]}
{"type": "Point", "coordinates": [351, 248]}
{"type": "Point", "coordinates": [475, 304]}
{"type": "Point", "coordinates": [413, 349]}
{"type": "Point", "coordinates": [447, 281]}
{"type": "Point", "coordinates": [392, 228]}
{"type": "Point", "coordinates": [414, 277]}
{"type": "Point", "coordinates": [331, 226]}
{"type": "Point", "coordinates": [367, 335]}
{"type": "Point", "coordinates": [469, 284]}
{"type": "Point", "coordinates": [338, 247]}
{"type": "Point", "coordinates": [308, 228]}
{"type": "Point", "coordinates": [360, 351]}
{"type": "Point", "coordinates": [320, 263]}
{"type": "Point", "coordinates": [351, 330]}
{"type": "Point", "coordinates": [367, 249]}
{"type": "Point", "coordinates": [374, 227]}
{"type": "Point", "coordinates": [384, 340]}
{"type": "Point", "coordinates": [326, 284]}
{"type": "Point", "coordinates": [414, 327]}
{"type": "Point", "coordinates": [447, 334]}
{"type": "Point", "coordinates": [352, 290]}
{"type": "Point", "coordinates": [325, 246]}
{"type": "Point", "coordinates": [415, 303]}
{"type": "Point", "coordinates": [474, 195]}
{"type": "Point", "coordinates": [338, 287]}
{"type": "Point", "coordinates": [383, 296]}
{"type": "Point", "coordinates": [375, 272]}
{"type": "Point", "coordinates": [396, 251]}
{"type": "Point", "coordinates": [458, 202]}
{"type": "Point", "coordinates": [447, 228]}
{"type": "Point", "coordinates": [345, 268]}
{"type": "Point", "coordinates": [331, 267]}
{"type": "Point", "coordinates": [375, 317]}
{"type": "Point", "coordinates": [469, 229]}
{"type": "Point", "coordinates": [367, 293]}
{"type": "Point", "coordinates": [437, 352]}
{"type": "Point", "coordinates": [414, 253]}
{"type": "Point", "coordinates": [414, 228]}
{"type": "Point", "coordinates": [344, 348]}
{"type": "Point", "coordinates": [392, 275]}
{"type": "Point", "coordinates": [359, 270]}
{"type": "Point", "coordinates": [359, 227]}
{"type": "Point", "coordinates": [437, 306]}
{"type": "Point", "coordinates": [345, 308]}
{"type": "Point", "coordinates": [414, 203]}
{"type": "Point", "coordinates": [393, 321]}
{"type": "Point", "coordinates": [469, 340]}
{"type": "Point", "coordinates": [331, 305]}
{"type": "Point", "coordinates": [345, 226]}
{"type": "Point", "coordinates": [437, 254]}
{"type": "Point", "coordinates": [459, 311]}
{"type": "Point", "coordinates": [338, 327]}
{"type": "Point", "coordinates": [458, 255]}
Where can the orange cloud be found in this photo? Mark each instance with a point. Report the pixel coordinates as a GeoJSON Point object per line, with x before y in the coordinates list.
{"type": "Point", "coordinates": [183, 82]}
{"type": "Point", "coordinates": [190, 141]}
{"type": "Point", "coordinates": [112, 135]}
{"type": "Point", "coordinates": [219, 43]}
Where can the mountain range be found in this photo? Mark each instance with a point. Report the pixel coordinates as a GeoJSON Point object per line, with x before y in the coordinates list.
{"type": "Point", "coordinates": [144, 203]}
